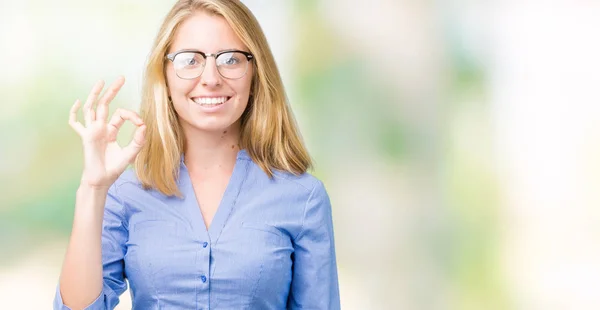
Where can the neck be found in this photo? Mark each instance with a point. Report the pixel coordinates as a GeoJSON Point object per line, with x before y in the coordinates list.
{"type": "Point", "coordinates": [208, 152]}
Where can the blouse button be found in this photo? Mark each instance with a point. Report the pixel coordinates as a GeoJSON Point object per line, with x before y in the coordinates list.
{"type": "Point", "coordinates": [203, 278]}
{"type": "Point", "coordinates": [205, 244]}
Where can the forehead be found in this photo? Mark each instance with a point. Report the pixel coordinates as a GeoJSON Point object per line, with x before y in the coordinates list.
{"type": "Point", "coordinates": [207, 33]}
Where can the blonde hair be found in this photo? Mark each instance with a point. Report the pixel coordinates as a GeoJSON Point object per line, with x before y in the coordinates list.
{"type": "Point", "coordinates": [269, 132]}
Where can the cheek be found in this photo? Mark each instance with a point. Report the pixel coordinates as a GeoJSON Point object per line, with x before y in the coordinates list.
{"type": "Point", "coordinates": [244, 85]}
{"type": "Point", "coordinates": [178, 87]}
{"type": "Point", "coordinates": [243, 94]}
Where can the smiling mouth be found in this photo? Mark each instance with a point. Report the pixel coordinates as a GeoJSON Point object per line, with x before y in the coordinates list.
{"type": "Point", "coordinates": [210, 101]}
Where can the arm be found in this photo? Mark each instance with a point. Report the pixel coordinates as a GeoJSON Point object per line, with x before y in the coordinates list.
{"type": "Point", "coordinates": [315, 279]}
{"type": "Point", "coordinates": [92, 275]}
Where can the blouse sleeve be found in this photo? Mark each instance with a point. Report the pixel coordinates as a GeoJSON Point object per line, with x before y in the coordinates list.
{"type": "Point", "coordinates": [315, 279]}
{"type": "Point", "coordinates": [114, 237]}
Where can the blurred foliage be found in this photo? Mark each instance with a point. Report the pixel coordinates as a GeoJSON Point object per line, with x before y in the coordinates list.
{"type": "Point", "coordinates": [341, 99]}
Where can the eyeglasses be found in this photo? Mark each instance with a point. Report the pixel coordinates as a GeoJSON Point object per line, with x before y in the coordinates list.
{"type": "Point", "coordinates": [231, 64]}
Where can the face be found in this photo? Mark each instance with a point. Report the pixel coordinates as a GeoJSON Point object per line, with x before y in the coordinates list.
{"type": "Point", "coordinates": [209, 102]}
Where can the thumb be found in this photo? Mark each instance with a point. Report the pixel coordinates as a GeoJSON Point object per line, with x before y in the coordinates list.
{"type": "Point", "coordinates": [134, 147]}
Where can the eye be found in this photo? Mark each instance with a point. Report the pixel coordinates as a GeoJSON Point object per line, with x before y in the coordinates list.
{"type": "Point", "coordinates": [188, 60]}
{"type": "Point", "coordinates": [229, 59]}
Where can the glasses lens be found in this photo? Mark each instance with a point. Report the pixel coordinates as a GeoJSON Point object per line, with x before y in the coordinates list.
{"type": "Point", "coordinates": [189, 65]}
{"type": "Point", "coordinates": [232, 65]}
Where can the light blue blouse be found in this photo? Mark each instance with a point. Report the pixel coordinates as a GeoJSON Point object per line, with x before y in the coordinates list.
{"type": "Point", "coordinates": [269, 246]}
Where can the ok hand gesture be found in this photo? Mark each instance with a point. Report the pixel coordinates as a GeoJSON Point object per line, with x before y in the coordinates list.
{"type": "Point", "coordinates": [104, 159]}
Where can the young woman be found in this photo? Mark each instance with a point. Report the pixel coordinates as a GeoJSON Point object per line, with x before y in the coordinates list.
{"type": "Point", "coordinates": [219, 212]}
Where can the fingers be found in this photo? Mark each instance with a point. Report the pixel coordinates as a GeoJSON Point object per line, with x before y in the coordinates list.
{"type": "Point", "coordinates": [118, 119]}
{"type": "Point", "coordinates": [88, 108]}
{"type": "Point", "coordinates": [134, 147]}
{"type": "Point", "coordinates": [77, 126]}
{"type": "Point", "coordinates": [102, 110]}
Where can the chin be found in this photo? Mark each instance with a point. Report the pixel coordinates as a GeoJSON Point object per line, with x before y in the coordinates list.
{"type": "Point", "coordinates": [212, 126]}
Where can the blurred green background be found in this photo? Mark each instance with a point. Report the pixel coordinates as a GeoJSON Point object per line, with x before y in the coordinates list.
{"type": "Point", "coordinates": [458, 140]}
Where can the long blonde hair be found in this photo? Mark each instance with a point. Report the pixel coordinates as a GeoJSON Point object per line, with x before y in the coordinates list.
{"type": "Point", "coordinates": [269, 132]}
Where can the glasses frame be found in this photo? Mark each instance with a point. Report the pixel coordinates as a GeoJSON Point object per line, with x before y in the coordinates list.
{"type": "Point", "coordinates": [172, 56]}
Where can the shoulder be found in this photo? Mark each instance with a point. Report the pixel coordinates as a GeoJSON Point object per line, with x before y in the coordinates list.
{"type": "Point", "coordinates": [306, 181]}
{"type": "Point", "coordinates": [127, 177]}
{"type": "Point", "coordinates": [301, 185]}
{"type": "Point", "coordinates": [126, 183]}
{"type": "Point", "coordinates": [127, 194]}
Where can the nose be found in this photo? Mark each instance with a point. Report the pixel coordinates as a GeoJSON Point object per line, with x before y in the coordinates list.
{"type": "Point", "coordinates": [210, 76]}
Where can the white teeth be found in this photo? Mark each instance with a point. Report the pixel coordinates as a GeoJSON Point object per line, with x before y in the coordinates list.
{"type": "Point", "coordinates": [210, 100]}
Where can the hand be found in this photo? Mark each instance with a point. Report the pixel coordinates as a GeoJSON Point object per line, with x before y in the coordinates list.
{"type": "Point", "coordinates": [104, 159]}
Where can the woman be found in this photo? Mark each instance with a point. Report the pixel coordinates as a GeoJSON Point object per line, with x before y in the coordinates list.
{"type": "Point", "coordinates": [220, 212]}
